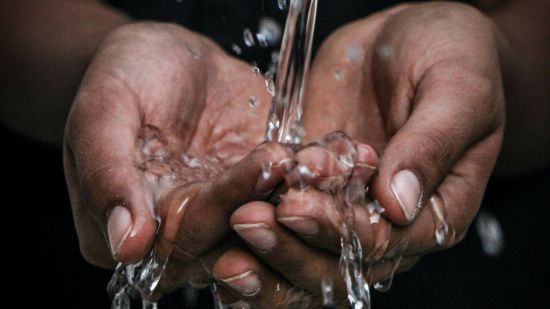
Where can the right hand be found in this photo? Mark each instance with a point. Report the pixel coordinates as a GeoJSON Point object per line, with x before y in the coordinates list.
{"type": "Point", "coordinates": [152, 93]}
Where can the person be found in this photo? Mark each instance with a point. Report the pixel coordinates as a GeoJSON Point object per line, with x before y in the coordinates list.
{"type": "Point", "coordinates": [426, 88]}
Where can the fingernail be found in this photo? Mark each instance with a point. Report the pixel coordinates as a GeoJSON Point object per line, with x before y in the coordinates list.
{"type": "Point", "coordinates": [247, 283]}
{"type": "Point", "coordinates": [363, 152]}
{"type": "Point", "coordinates": [406, 188]}
{"type": "Point", "coordinates": [301, 225]}
{"type": "Point", "coordinates": [257, 234]}
{"type": "Point", "coordinates": [119, 225]}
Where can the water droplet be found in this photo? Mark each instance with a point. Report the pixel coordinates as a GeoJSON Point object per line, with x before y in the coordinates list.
{"type": "Point", "coordinates": [248, 38]}
{"type": "Point", "coordinates": [296, 133]}
{"type": "Point", "coordinates": [270, 84]}
{"type": "Point", "coordinates": [252, 103]}
{"type": "Point", "coordinates": [269, 32]}
{"type": "Point", "coordinates": [327, 290]}
{"type": "Point", "coordinates": [267, 167]}
{"type": "Point", "coordinates": [490, 233]}
{"type": "Point", "coordinates": [374, 210]}
{"type": "Point", "coordinates": [236, 49]}
{"type": "Point", "coordinates": [338, 74]}
{"type": "Point", "coordinates": [274, 57]}
{"type": "Point", "coordinates": [305, 172]}
{"type": "Point", "coordinates": [262, 40]}
{"type": "Point", "coordinates": [385, 284]}
{"type": "Point", "coordinates": [355, 53]}
{"type": "Point", "coordinates": [441, 233]}
{"type": "Point", "coordinates": [385, 51]}
{"type": "Point", "coordinates": [282, 4]}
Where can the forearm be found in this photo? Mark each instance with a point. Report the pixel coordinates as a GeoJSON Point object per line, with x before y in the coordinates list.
{"type": "Point", "coordinates": [525, 24]}
{"type": "Point", "coordinates": [45, 49]}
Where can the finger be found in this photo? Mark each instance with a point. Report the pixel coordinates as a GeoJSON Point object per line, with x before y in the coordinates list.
{"type": "Point", "coordinates": [452, 109]}
{"type": "Point", "coordinates": [107, 183]}
{"type": "Point", "coordinates": [195, 217]}
{"type": "Point", "coordinates": [329, 162]}
{"type": "Point", "coordinates": [299, 263]}
{"type": "Point", "coordinates": [451, 208]}
{"type": "Point", "coordinates": [443, 224]}
{"type": "Point", "coordinates": [92, 240]}
{"type": "Point", "coordinates": [256, 225]}
{"type": "Point", "coordinates": [317, 218]}
{"type": "Point", "coordinates": [235, 268]}
{"type": "Point", "coordinates": [248, 279]}
{"type": "Point", "coordinates": [198, 273]}
{"type": "Point", "coordinates": [316, 166]}
{"type": "Point", "coordinates": [313, 216]}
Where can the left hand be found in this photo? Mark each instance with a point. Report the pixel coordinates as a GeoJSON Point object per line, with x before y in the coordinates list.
{"type": "Point", "coordinates": [422, 84]}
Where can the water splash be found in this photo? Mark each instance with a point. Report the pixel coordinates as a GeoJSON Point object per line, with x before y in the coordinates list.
{"type": "Point", "coordinates": [121, 300]}
{"type": "Point", "coordinates": [351, 265]}
{"type": "Point", "coordinates": [140, 278]}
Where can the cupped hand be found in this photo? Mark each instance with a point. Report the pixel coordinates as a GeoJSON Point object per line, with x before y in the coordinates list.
{"type": "Point", "coordinates": [420, 83]}
{"type": "Point", "coordinates": [160, 112]}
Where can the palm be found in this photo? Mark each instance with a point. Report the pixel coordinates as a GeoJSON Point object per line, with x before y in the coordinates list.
{"type": "Point", "coordinates": [166, 101]}
{"type": "Point", "coordinates": [417, 101]}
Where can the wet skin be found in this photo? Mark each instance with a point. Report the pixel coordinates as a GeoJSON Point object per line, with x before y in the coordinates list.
{"type": "Point", "coordinates": [428, 104]}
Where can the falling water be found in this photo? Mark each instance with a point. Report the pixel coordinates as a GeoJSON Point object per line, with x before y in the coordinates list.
{"type": "Point", "coordinates": [285, 117]}
{"type": "Point", "coordinates": [284, 124]}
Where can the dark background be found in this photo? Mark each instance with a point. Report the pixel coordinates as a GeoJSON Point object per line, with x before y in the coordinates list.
{"type": "Point", "coordinates": [43, 260]}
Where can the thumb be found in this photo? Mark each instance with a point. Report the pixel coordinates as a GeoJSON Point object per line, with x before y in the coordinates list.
{"type": "Point", "coordinates": [109, 193]}
{"type": "Point", "coordinates": [451, 112]}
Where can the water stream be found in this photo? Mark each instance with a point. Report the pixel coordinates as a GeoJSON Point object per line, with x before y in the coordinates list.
{"type": "Point", "coordinates": [285, 126]}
